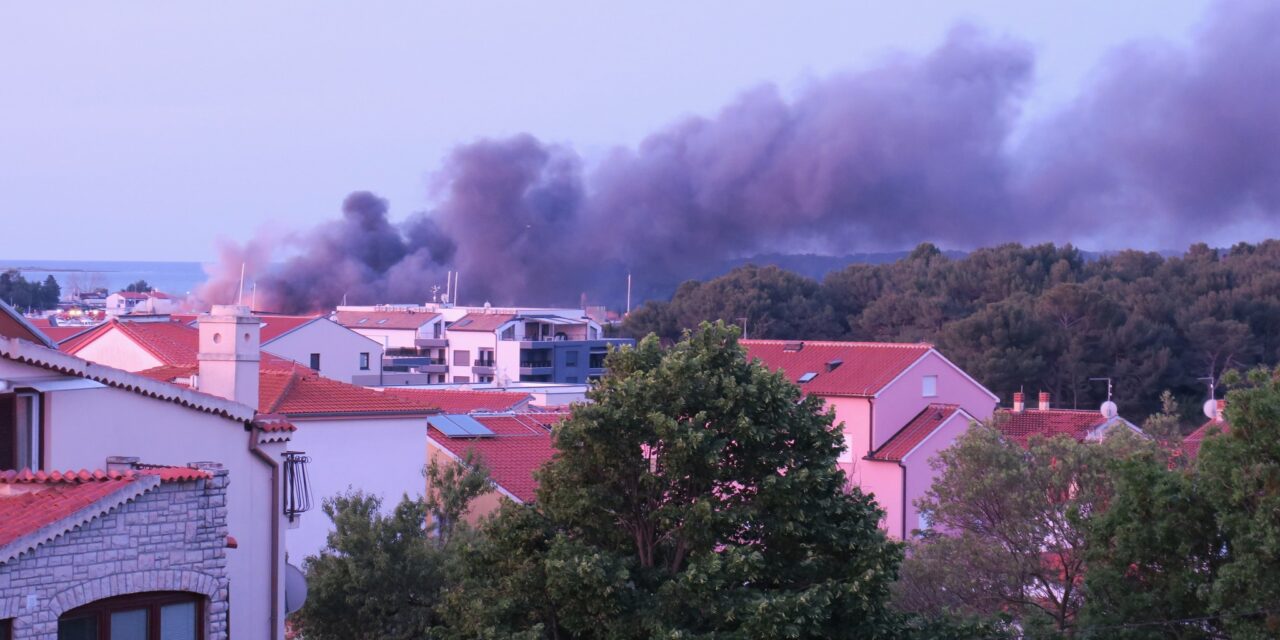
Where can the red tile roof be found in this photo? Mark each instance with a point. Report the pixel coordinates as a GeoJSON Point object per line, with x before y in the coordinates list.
{"type": "Point", "coordinates": [170, 342]}
{"type": "Point", "coordinates": [14, 325]}
{"type": "Point", "coordinates": [43, 502]}
{"type": "Point", "coordinates": [296, 394]}
{"type": "Point", "coordinates": [384, 319]}
{"type": "Point", "coordinates": [1019, 426]}
{"type": "Point", "coordinates": [864, 368]}
{"type": "Point", "coordinates": [461, 401]}
{"type": "Point", "coordinates": [520, 445]}
{"type": "Point", "coordinates": [274, 326]}
{"type": "Point", "coordinates": [481, 321]}
{"type": "Point", "coordinates": [916, 431]}
{"type": "Point", "coordinates": [62, 333]}
{"type": "Point", "coordinates": [1191, 443]}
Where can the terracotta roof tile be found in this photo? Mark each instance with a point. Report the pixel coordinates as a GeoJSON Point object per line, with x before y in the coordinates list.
{"type": "Point", "coordinates": [1019, 426]}
{"type": "Point", "coordinates": [1191, 443]}
{"type": "Point", "coordinates": [172, 343]}
{"type": "Point", "coordinates": [863, 368]}
{"type": "Point", "coordinates": [274, 326]}
{"type": "Point", "coordinates": [384, 319]}
{"type": "Point", "coordinates": [462, 401]}
{"type": "Point", "coordinates": [481, 321]}
{"type": "Point", "coordinates": [520, 445]}
{"type": "Point", "coordinates": [916, 431]}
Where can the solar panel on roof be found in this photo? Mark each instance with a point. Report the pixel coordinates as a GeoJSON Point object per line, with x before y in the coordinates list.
{"type": "Point", "coordinates": [446, 426]}
{"type": "Point", "coordinates": [471, 425]}
{"type": "Point", "coordinates": [808, 376]}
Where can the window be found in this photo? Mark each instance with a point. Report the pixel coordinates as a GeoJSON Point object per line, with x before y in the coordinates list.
{"type": "Point", "coordinates": [20, 444]}
{"type": "Point", "coordinates": [461, 358]}
{"type": "Point", "coordinates": [315, 361]}
{"type": "Point", "coordinates": [930, 387]}
{"type": "Point", "coordinates": [164, 615]}
{"type": "Point", "coordinates": [571, 359]}
{"type": "Point", "coordinates": [6, 629]}
{"type": "Point", "coordinates": [364, 361]}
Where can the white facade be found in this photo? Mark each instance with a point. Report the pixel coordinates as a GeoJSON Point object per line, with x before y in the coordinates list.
{"type": "Point", "coordinates": [379, 456]}
{"type": "Point", "coordinates": [83, 426]}
{"type": "Point", "coordinates": [341, 351]}
{"type": "Point", "coordinates": [115, 349]}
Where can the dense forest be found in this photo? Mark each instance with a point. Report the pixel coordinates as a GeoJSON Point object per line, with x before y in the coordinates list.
{"type": "Point", "coordinates": [1039, 318]}
{"type": "Point", "coordinates": [28, 295]}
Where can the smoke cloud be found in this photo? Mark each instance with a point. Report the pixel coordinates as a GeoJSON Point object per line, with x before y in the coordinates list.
{"type": "Point", "coordinates": [1163, 141]}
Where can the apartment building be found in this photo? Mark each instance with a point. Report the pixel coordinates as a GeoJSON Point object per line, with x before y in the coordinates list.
{"type": "Point", "coordinates": [443, 344]}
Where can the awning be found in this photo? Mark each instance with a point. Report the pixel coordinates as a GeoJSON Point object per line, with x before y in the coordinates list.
{"type": "Point", "coordinates": [56, 384]}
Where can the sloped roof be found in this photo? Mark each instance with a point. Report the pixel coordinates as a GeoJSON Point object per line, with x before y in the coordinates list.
{"type": "Point", "coordinates": [864, 368]}
{"type": "Point", "coordinates": [15, 325]}
{"type": "Point", "coordinates": [462, 401]}
{"type": "Point", "coordinates": [520, 445]}
{"type": "Point", "coordinates": [384, 319]}
{"type": "Point", "coordinates": [481, 321]}
{"type": "Point", "coordinates": [1019, 426]}
{"type": "Point", "coordinates": [172, 343]}
{"type": "Point", "coordinates": [36, 507]}
{"type": "Point", "coordinates": [53, 360]}
{"type": "Point", "coordinates": [917, 430]}
{"type": "Point", "coordinates": [1191, 443]}
{"type": "Point", "coordinates": [62, 333]}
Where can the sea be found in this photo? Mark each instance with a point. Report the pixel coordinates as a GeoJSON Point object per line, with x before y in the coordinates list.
{"type": "Point", "coordinates": [174, 278]}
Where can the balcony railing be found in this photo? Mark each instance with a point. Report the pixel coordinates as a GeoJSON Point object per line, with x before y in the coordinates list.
{"type": "Point", "coordinates": [535, 364]}
{"type": "Point", "coordinates": [483, 363]}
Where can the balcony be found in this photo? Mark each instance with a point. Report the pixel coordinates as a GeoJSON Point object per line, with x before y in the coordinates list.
{"type": "Point", "coordinates": [535, 367]}
{"type": "Point", "coordinates": [428, 343]}
{"type": "Point", "coordinates": [413, 359]}
{"type": "Point", "coordinates": [483, 366]}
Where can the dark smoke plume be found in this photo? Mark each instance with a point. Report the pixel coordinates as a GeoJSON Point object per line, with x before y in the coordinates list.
{"type": "Point", "coordinates": [1171, 144]}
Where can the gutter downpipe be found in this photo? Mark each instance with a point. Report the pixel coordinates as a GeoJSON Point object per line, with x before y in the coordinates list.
{"type": "Point", "coordinates": [904, 500]}
{"type": "Point", "coordinates": [275, 528]}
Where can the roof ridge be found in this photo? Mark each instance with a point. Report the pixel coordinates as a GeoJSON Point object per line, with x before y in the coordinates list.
{"type": "Point", "coordinates": [839, 343]}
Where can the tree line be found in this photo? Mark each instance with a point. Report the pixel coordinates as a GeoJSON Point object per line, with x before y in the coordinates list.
{"type": "Point", "coordinates": [1033, 318]}
{"type": "Point", "coordinates": [29, 295]}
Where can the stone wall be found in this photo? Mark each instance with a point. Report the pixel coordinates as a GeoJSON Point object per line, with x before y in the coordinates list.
{"type": "Point", "coordinates": [171, 538]}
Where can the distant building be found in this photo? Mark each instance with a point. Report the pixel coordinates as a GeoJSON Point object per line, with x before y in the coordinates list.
{"type": "Point", "coordinates": [149, 302]}
{"type": "Point", "coordinates": [898, 404]}
{"type": "Point", "coordinates": [1216, 425]}
{"type": "Point", "coordinates": [443, 344]}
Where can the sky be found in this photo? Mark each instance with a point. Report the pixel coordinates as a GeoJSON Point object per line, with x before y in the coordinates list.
{"type": "Point", "coordinates": [148, 130]}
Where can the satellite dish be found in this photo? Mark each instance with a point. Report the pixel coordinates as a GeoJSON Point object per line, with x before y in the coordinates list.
{"type": "Point", "coordinates": [1211, 408]}
{"type": "Point", "coordinates": [295, 588]}
{"type": "Point", "coordinates": [1109, 410]}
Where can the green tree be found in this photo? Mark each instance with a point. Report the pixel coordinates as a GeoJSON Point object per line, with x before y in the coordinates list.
{"type": "Point", "coordinates": [382, 575]}
{"type": "Point", "coordinates": [140, 286]}
{"type": "Point", "coordinates": [50, 293]}
{"type": "Point", "coordinates": [696, 496]}
{"type": "Point", "coordinates": [1009, 532]}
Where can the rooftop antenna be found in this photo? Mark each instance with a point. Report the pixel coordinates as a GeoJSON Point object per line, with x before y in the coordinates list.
{"type": "Point", "coordinates": [628, 294]}
{"type": "Point", "coordinates": [1211, 405]}
{"type": "Point", "coordinates": [1108, 409]}
{"type": "Point", "coordinates": [448, 286]}
{"type": "Point", "coordinates": [455, 286]}
{"type": "Point", "coordinates": [744, 328]}
{"type": "Point", "coordinates": [240, 297]}
{"type": "Point", "coordinates": [435, 293]}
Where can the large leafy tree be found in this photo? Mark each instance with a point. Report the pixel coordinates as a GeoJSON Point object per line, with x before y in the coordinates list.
{"type": "Point", "coordinates": [1009, 533]}
{"type": "Point", "coordinates": [696, 496]}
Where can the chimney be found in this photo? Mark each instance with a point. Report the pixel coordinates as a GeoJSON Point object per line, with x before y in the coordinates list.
{"type": "Point", "coordinates": [229, 343]}
{"type": "Point", "coordinates": [1019, 402]}
{"type": "Point", "coordinates": [1044, 400]}
{"type": "Point", "coordinates": [122, 464]}
{"type": "Point", "coordinates": [1218, 415]}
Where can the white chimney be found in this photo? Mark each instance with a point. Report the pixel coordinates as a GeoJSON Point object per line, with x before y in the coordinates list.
{"type": "Point", "coordinates": [1044, 400]}
{"type": "Point", "coordinates": [1019, 402]}
{"type": "Point", "coordinates": [229, 353]}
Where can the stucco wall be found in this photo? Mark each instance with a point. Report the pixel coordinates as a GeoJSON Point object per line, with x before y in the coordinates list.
{"type": "Point", "coordinates": [482, 505]}
{"type": "Point", "coordinates": [172, 538]}
{"type": "Point", "coordinates": [384, 457]}
{"type": "Point", "coordinates": [919, 472]}
{"type": "Point", "coordinates": [472, 342]}
{"type": "Point", "coordinates": [390, 338]}
{"type": "Point", "coordinates": [854, 414]}
{"type": "Point", "coordinates": [883, 480]}
{"type": "Point", "coordinates": [115, 350]}
{"type": "Point", "coordinates": [903, 399]}
{"type": "Point", "coordinates": [339, 349]}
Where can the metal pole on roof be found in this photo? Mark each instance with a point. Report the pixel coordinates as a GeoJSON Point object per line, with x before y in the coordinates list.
{"type": "Point", "coordinates": [240, 297]}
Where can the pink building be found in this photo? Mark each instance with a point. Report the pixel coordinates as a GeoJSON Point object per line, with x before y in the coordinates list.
{"type": "Point", "coordinates": [898, 405]}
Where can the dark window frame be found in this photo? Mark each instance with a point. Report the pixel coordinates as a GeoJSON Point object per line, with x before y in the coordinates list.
{"type": "Point", "coordinates": [315, 362]}
{"type": "Point", "coordinates": [10, 452]}
{"type": "Point", "coordinates": [6, 629]}
{"type": "Point", "coordinates": [364, 360]}
{"type": "Point", "coordinates": [152, 601]}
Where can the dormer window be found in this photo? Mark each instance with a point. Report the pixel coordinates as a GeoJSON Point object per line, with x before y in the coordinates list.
{"type": "Point", "coordinates": [807, 377]}
{"type": "Point", "coordinates": [832, 365]}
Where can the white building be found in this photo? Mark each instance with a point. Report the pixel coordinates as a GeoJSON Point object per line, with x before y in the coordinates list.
{"type": "Point", "coordinates": [73, 414]}
{"type": "Point", "coordinates": [148, 302]}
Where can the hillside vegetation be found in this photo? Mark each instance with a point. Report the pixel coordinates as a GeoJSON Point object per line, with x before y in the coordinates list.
{"type": "Point", "coordinates": [1038, 318]}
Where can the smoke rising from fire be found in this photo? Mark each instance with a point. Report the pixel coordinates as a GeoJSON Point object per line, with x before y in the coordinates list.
{"type": "Point", "coordinates": [1165, 142]}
